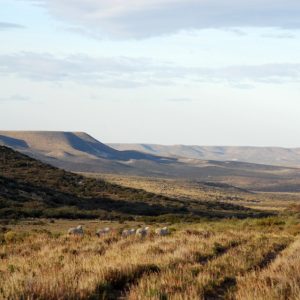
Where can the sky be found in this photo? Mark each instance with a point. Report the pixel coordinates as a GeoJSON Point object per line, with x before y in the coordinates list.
{"type": "Point", "coordinates": [194, 72]}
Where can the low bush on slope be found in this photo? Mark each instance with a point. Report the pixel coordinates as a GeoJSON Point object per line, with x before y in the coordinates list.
{"type": "Point", "coordinates": [30, 188]}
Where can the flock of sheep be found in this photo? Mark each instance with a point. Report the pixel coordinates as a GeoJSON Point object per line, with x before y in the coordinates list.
{"type": "Point", "coordinates": [140, 232]}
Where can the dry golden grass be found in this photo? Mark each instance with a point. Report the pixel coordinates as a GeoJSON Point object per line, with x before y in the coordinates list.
{"type": "Point", "coordinates": [281, 280]}
{"type": "Point", "coordinates": [211, 260]}
{"type": "Point", "coordinates": [214, 279]}
{"type": "Point", "coordinates": [191, 190]}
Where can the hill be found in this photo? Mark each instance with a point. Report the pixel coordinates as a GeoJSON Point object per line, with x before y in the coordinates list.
{"type": "Point", "coordinates": [289, 157]}
{"type": "Point", "coordinates": [65, 145]}
{"type": "Point", "coordinates": [76, 151]}
{"type": "Point", "coordinates": [79, 152]}
{"type": "Point", "coordinates": [30, 188]}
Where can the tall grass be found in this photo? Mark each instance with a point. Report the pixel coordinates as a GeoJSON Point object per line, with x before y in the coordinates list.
{"type": "Point", "coordinates": [281, 280]}
{"type": "Point", "coordinates": [213, 260]}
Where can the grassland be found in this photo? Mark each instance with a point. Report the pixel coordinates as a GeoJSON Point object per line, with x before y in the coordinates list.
{"type": "Point", "coordinates": [221, 244]}
{"type": "Point", "coordinates": [207, 191]}
{"type": "Point", "coordinates": [30, 188]}
{"type": "Point", "coordinates": [229, 259]}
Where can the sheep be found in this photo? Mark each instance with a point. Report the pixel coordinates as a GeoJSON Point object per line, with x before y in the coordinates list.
{"type": "Point", "coordinates": [76, 230]}
{"type": "Point", "coordinates": [125, 232]}
{"type": "Point", "coordinates": [132, 231]}
{"type": "Point", "coordinates": [162, 231]}
{"type": "Point", "coordinates": [142, 232]}
{"type": "Point", "coordinates": [128, 232]}
{"type": "Point", "coordinates": [103, 231]}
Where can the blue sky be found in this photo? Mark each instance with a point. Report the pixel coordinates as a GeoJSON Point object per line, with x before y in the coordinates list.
{"type": "Point", "coordinates": [162, 71]}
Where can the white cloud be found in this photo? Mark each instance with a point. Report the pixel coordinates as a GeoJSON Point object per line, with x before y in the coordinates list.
{"type": "Point", "coordinates": [182, 99]}
{"type": "Point", "coordinates": [15, 97]}
{"type": "Point", "coordinates": [8, 25]}
{"type": "Point", "coordinates": [144, 18]}
{"type": "Point", "coordinates": [280, 35]}
{"type": "Point", "coordinates": [125, 72]}
{"type": "Point", "coordinates": [79, 68]}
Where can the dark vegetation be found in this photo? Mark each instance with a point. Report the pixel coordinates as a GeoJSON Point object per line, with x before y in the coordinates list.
{"type": "Point", "coordinates": [30, 188]}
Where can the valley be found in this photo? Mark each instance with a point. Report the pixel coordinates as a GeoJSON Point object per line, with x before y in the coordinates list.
{"type": "Point", "coordinates": [232, 228]}
{"type": "Point", "coordinates": [79, 152]}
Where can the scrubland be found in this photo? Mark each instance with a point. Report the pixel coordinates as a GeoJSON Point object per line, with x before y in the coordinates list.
{"type": "Point", "coordinates": [225, 242]}
{"type": "Point", "coordinates": [228, 259]}
{"type": "Point", "coordinates": [207, 191]}
{"type": "Point", "coordinates": [30, 188]}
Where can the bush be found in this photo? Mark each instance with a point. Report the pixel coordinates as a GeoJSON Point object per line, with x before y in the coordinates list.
{"type": "Point", "coordinates": [271, 221]}
{"type": "Point", "coordinates": [10, 237]}
{"type": "Point", "coordinates": [13, 237]}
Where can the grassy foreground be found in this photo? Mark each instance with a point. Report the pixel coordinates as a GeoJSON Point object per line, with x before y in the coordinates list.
{"type": "Point", "coordinates": [229, 259]}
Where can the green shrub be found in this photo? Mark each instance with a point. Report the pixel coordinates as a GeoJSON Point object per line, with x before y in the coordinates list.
{"type": "Point", "coordinates": [13, 237]}
{"type": "Point", "coordinates": [10, 237]}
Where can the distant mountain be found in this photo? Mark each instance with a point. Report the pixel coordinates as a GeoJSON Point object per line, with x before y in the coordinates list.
{"type": "Point", "coordinates": [59, 144]}
{"type": "Point", "coordinates": [289, 157]}
{"type": "Point", "coordinates": [79, 152]}
{"type": "Point", "coordinates": [74, 151]}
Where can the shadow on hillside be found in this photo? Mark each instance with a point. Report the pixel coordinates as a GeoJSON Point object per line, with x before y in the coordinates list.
{"type": "Point", "coordinates": [20, 192]}
{"type": "Point", "coordinates": [12, 142]}
{"type": "Point", "coordinates": [49, 202]}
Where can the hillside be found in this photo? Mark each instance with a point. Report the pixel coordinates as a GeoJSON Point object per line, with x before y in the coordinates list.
{"type": "Point", "coordinates": [289, 157]}
{"type": "Point", "coordinates": [65, 145]}
{"type": "Point", "coordinates": [79, 152]}
{"type": "Point", "coordinates": [30, 188]}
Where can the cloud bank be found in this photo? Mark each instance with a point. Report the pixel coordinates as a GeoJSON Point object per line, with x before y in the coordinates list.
{"type": "Point", "coordinates": [15, 98]}
{"type": "Point", "coordinates": [146, 18]}
{"type": "Point", "coordinates": [7, 25]}
{"type": "Point", "coordinates": [135, 72]}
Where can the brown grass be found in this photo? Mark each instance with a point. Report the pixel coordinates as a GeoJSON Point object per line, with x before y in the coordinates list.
{"type": "Point", "coordinates": [211, 260]}
{"type": "Point", "coordinates": [281, 280]}
{"type": "Point", "coordinates": [191, 190]}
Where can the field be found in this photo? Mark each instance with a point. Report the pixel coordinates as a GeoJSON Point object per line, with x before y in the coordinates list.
{"type": "Point", "coordinates": [225, 242]}
{"type": "Point", "coordinates": [30, 188]}
{"type": "Point", "coordinates": [228, 259]}
{"type": "Point", "coordinates": [207, 191]}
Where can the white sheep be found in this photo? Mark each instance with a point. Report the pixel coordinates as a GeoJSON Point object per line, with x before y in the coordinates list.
{"type": "Point", "coordinates": [142, 232]}
{"type": "Point", "coordinates": [128, 232]}
{"type": "Point", "coordinates": [162, 231]}
{"type": "Point", "coordinates": [125, 232]}
{"type": "Point", "coordinates": [132, 231]}
{"type": "Point", "coordinates": [103, 231]}
{"type": "Point", "coordinates": [76, 230]}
